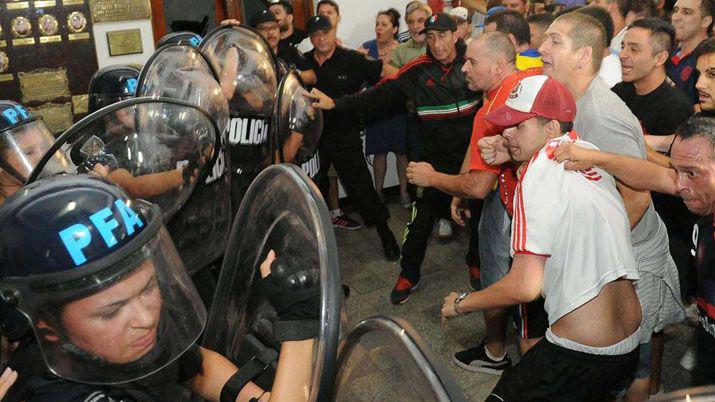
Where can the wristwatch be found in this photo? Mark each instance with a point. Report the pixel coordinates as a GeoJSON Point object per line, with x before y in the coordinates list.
{"type": "Point", "coordinates": [459, 298]}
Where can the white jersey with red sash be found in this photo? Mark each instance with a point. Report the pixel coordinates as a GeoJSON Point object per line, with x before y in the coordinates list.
{"type": "Point", "coordinates": [578, 221]}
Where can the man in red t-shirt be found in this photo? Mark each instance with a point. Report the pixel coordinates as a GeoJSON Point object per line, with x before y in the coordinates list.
{"type": "Point", "coordinates": [490, 67]}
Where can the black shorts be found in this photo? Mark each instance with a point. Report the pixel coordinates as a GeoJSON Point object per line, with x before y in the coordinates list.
{"type": "Point", "coordinates": [549, 372]}
{"type": "Point", "coordinates": [531, 320]}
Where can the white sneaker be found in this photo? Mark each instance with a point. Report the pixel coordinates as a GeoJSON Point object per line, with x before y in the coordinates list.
{"type": "Point", "coordinates": [688, 360]}
{"type": "Point", "coordinates": [445, 229]}
{"type": "Point", "coordinates": [691, 315]}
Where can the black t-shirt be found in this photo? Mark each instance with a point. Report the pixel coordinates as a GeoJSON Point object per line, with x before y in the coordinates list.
{"type": "Point", "coordinates": [36, 384]}
{"type": "Point", "coordinates": [293, 58]}
{"type": "Point", "coordinates": [704, 237]}
{"type": "Point", "coordinates": [294, 39]}
{"type": "Point", "coordinates": [660, 113]}
{"type": "Point", "coordinates": [345, 72]}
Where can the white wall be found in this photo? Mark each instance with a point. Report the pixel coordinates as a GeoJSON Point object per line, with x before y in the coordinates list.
{"type": "Point", "coordinates": [358, 22]}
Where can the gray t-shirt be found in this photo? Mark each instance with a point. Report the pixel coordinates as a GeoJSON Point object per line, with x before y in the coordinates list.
{"type": "Point", "coordinates": [604, 120]}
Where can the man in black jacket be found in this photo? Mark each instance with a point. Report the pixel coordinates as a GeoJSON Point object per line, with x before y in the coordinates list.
{"type": "Point", "coordinates": [342, 72]}
{"type": "Point", "coordinates": [446, 107]}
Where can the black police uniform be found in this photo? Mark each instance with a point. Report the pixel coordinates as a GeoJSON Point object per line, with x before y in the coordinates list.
{"type": "Point", "coordinates": [36, 384]}
{"type": "Point", "coordinates": [344, 73]}
{"type": "Point", "coordinates": [704, 236]}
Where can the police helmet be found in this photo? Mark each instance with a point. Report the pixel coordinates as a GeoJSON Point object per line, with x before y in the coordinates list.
{"type": "Point", "coordinates": [112, 84]}
{"type": "Point", "coordinates": [180, 38]}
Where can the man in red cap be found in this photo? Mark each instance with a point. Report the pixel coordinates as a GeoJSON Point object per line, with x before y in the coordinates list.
{"type": "Point", "coordinates": [571, 243]}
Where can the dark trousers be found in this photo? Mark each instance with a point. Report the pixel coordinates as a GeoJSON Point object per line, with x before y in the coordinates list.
{"type": "Point", "coordinates": [414, 137]}
{"type": "Point", "coordinates": [472, 257]}
{"type": "Point", "coordinates": [429, 205]}
{"type": "Point", "coordinates": [704, 373]}
{"type": "Point", "coordinates": [352, 171]}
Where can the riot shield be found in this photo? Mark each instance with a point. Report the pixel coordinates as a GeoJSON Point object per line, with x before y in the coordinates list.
{"type": "Point", "coordinates": [281, 211]}
{"type": "Point", "coordinates": [155, 149]}
{"type": "Point", "coordinates": [297, 125]}
{"type": "Point", "coordinates": [183, 72]}
{"type": "Point", "coordinates": [200, 229]}
{"type": "Point", "coordinates": [247, 73]}
{"type": "Point", "coordinates": [384, 359]}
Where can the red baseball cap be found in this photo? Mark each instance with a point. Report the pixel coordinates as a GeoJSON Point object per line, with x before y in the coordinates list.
{"type": "Point", "coordinates": [537, 95]}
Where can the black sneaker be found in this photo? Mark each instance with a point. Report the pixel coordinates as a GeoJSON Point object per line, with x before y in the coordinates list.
{"type": "Point", "coordinates": [402, 290]}
{"type": "Point", "coordinates": [476, 359]}
{"type": "Point", "coordinates": [346, 222]}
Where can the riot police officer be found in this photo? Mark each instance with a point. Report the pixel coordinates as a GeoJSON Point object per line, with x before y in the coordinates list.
{"type": "Point", "coordinates": [24, 139]}
{"type": "Point", "coordinates": [114, 313]}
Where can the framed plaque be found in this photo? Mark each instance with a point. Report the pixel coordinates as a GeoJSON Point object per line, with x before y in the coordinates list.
{"type": "Point", "coordinates": [128, 41]}
{"type": "Point", "coordinates": [44, 85]}
{"type": "Point", "coordinates": [119, 10]}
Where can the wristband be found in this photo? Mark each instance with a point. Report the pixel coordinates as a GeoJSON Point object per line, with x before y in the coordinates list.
{"type": "Point", "coordinates": [459, 298]}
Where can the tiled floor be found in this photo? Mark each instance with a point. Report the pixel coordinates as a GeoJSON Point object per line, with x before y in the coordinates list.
{"type": "Point", "coordinates": [371, 278]}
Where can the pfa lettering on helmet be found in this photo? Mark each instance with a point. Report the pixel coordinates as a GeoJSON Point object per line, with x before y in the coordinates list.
{"type": "Point", "coordinates": [78, 236]}
{"type": "Point", "coordinates": [14, 114]}
{"type": "Point", "coordinates": [130, 85]}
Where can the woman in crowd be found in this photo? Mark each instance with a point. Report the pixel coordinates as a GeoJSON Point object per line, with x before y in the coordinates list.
{"type": "Point", "coordinates": [386, 134]}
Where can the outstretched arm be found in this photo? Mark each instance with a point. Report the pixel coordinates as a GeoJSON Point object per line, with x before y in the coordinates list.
{"type": "Point", "coordinates": [474, 184]}
{"type": "Point", "coordinates": [522, 284]}
{"type": "Point", "coordinates": [635, 173]}
{"type": "Point", "coordinates": [384, 96]}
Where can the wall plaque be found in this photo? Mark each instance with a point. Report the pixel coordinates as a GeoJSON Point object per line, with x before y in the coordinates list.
{"type": "Point", "coordinates": [17, 5]}
{"type": "Point", "coordinates": [119, 10]}
{"type": "Point", "coordinates": [80, 103]}
{"type": "Point", "coordinates": [44, 85]}
{"type": "Point", "coordinates": [78, 36]}
{"type": "Point", "coordinates": [72, 2]}
{"type": "Point", "coordinates": [58, 117]}
{"type": "Point", "coordinates": [128, 41]}
{"type": "Point", "coordinates": [45, 3]}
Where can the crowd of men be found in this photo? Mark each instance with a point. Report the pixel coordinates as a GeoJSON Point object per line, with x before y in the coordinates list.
{"type": "Point", "coordinates": [575, 141]}
{"type": "Point", "coordinates": [627, 78]}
